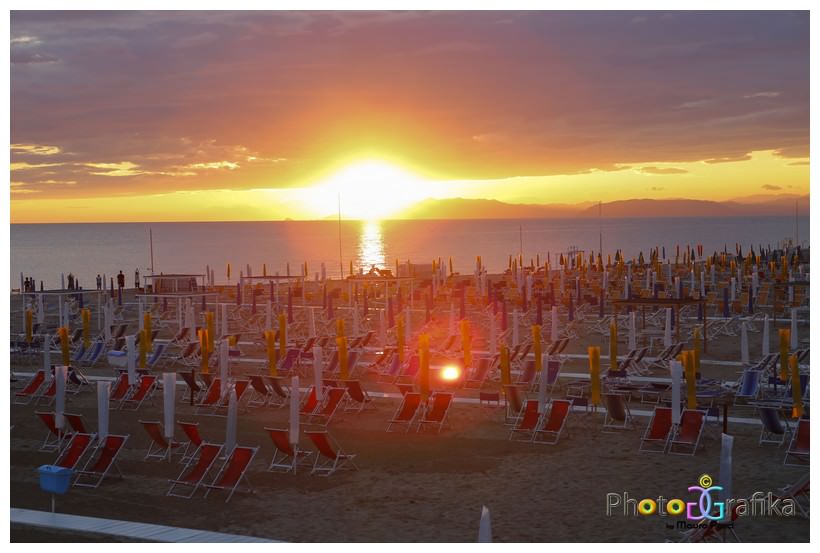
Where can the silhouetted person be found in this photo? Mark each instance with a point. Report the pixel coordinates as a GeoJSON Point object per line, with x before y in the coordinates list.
{"type": "Point", "coordinates": [137, 278]}
{"type": "Point", "coordinates": [121, 280]}
{"type": "Point", "coordinates": [70, 281]}
{"type": "Point", "coordinates": [99, 282]}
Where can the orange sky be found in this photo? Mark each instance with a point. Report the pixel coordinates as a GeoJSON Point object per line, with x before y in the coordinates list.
{"type": "Point", "coordinates": [226, 116]}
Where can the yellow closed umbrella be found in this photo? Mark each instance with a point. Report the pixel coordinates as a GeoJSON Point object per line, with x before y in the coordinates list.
{"type": "Point", "coordinates": [505, 365]}
{"type": "Point", "coordinates": [86, 328]}
{"type": "Point", "coordinates": [691, 385]}
{"type": "Point", "coordinates": [797, 392]}
{"type": "Point", "coordinates": [204, 351]}
{"type": "Point", "coordinates": [270, 343]}
{"type": "Point", "coordinates": [785, 337]}
{"type": "Point", "coordinates": [424, 366]}
{"type": "Point", "coordinates": [143, 344]}
{"type": "Point", "coordinates": [283, 335]}
{"type": "Point", "coordinates": [146, 325]}
{"type": "Point", "coordinates": [466, 344]}
{"type": "Point", "coordinates": [613, 346]}
{"type": "Point", "coordinates": [594, 374]}
{"type": "Point", "coordinates": [536, 346]}
{"type": "Point", "coordinates": [229, 271]}
{"type": "Point", "coordinates": [350, 272]}
{"type": "Point", "coordinates": [209, 324]}
{"type": "Point", "coordinates": [400, 338]}
{"type": "Point", "coordinates": [697, 347]}
{"type": "Point", "coordinates": [29, 326]}
{"type": "Point", "coordinates": [63, 331]}
{"type": "Point", "coordinates": [341, 345]}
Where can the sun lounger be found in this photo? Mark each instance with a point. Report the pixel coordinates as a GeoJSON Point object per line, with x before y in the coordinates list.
{"type": "Point", "coordinates": [76, 422]}
{"type": "Point", "coordinates": [406, 412]}
{"type": "Point", "coordinates": [357, 396]}
{"type": "Point", "coordinates": [191, 430]}
{"type": "Point", "coordinates": [656, 437]}
{"type": "Point", "coordinates": [196, 469]}
{"type": "Point", "coordinates": [160, 447]}
{"type": "Point", "coordinates": [234, 471]}
{"type": "Point", "coordinates": [799, 493]}
{"type": "Point", "coordinates": [329, 456]}
{"type": "Point", "coordinates": [55, 437]}
{"type": "Point", "coordinates": [286, 456]}
{"type": "Point", "coordinates": [798, 452]}
{"type": "Point", "coordinates": [119, 391]}
{"type": "Point", "coordinates": [193, 384]}
{"type": "Point", "coordinates": [749, 385]}
{"type": "Point", "coordinates": [261, 392]}
{"type": "Point", "coordinates": [553, 425]}
{"type": "Point", "coordinates": [773, 430]}
{"type": "Point", "coordinates": [100, 464]}
{"type": "Point", "coordinates": [282, 395]}
{"type": "Point", "coordinates": [48, 393]}
{"type": "Point", "coordinates": [527, 422]}
{"type": "Point", "coordinates": [210, 400]}
{"type": "Point", "coordinates": [323, 414]}
{"type": "Point", "coordinates": [435, 413]}
{"type": "Point", "coordinates": [513, 402]}
{"type": "Point", "coordinates": [145, 389]}
{"type": "Point", "coordinates": [77, 447]}
{"type": "Point", "coordinates": [617, 415]}
{"type": "Point", "coordinates": [29, 391]}
{"type": "Point", "coordinates": [687, 435]}
{"type": "Point", "coordinates": [478, 376]}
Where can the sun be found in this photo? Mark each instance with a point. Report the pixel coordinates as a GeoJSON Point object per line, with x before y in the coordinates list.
{"type": "Point", "coordinates": [368, 190]}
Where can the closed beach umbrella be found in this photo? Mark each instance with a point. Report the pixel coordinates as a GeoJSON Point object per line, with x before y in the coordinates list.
{"type": "Point", "coordinates": [594, 353]}
{"type": "Point", "coordinates": [103, 390]}
{"type": "Point", "coordinates": [209, 324]}
{"type": "Point", "coordinates": [317, 371]}
{"type": "Point", "coordinates": [485, 532]}
{"type": "Point", "coordinates": [784, 334]}
{"type": "Point", "coordinates": [230, 429]}
{"type": "Point", "coordinates": [516, 321]}
{"type": "Point", "coordinates": [726, 443]}
{"type": "Point", "coordinates": [691, 380]}
{"type": "Point", "coordinates": [542, 383]}
{"type": "Point", "coordinates": [293, 411]}
{"type": "Point", "coordinates": [131, 358]}
{"type": "Point", "coordinates": [223, 361]}
{"type": "Point", "coordinates": [169, 384]}
{"type": "Point", "coordinates": [140, 312]}
{"type": "Point", "coordinates": [190, 316]}
{"type": "Point", "coordinates": [675, 368]}
{"type": "Point", "coordinates": [493, 335]}
{"type": "Point", "coordinates": [554, 325]}
{"type": "Point", "coordinates": [29, 325]}
{"type": "Point", "coordinates": [60, 374]}
{"type": "Point", "coordinates": [424, 366]}
{"type": "Point", "coordinates": [766, 338]}
{"type": "Point", "coordinates": [283, 335]}
{"type": "Point", "coordinates": [633, 338]}
{"type": "Point", "coordinates": [539, 317]}
{"type": "Point", "coordinates": [270, 345]}
{"type": "Point", "coordinates": [268, 316]}
{"type": "Point", "coordinates": [204, 351]}
{"type": "Point", "coordinates": [86, 316]}
{"type": "Point", "coordinates": [341, 344]}
{"type": "Point", "coordinates": [142, 350]}
{"type": "Point", "coordinates": [744, 344]}
{"type": "Point", "coordinates": [793, 333]}
{"type": "Point", "coordinates": [505, 365]}
{"type": "Point", "coordinates": [536, 346]}
{"type": "Point", "coordinates": [667, 330]}
{"type": "Point", "coordinates": [797, 392]}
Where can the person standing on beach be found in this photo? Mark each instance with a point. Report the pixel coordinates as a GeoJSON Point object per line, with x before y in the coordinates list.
{"type": "Point", "coordinates": [121, 280]}
{"type": "Point", "coordinates": [99, 282]}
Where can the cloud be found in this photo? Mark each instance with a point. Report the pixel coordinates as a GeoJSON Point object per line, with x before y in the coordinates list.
{"type": "Point", "coordinates": [35, 149]}
{"type": "Point", "coordinates": [26, 40]}
{"type": "Point", "coordinates": [662, 170]}
{"type": "Point", "coordinates": [799, 163]}
{"type": "Point", "coordinates": [762, 95]}
{"type": "Point", "coordinates": [23, 166]}
{"type": "Point", "coordinates": [214, 165]}
{"type": "Point", "coordinates": [728, 159]}
{"type": "Point", "coordinates": [771, 187]}
{"type": "Point", "coordinates": [121, 169]}
{"type": "Point", "coordinates": [26, 57]}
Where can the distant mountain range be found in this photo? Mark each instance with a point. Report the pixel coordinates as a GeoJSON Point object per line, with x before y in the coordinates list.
{"type": "Point", "coordinates": [461, 208]}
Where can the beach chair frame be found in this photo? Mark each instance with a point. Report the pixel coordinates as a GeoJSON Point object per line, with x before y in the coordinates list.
{"type": "Point", "coordinates": [286, 456]}
{"type": "Point", "coordinates": [329, 456]}
{"type": "Point", "coordinates": [100, 463]}
{"type": "Point", "coordinates": [196, 469]}
{"type": "Point", "coordinates": [234, 471]}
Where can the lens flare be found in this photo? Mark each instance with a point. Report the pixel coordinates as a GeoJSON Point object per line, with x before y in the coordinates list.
{"type": "Point", "coordinates": [450, 373]}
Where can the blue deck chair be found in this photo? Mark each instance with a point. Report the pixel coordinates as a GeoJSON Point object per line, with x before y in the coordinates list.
{"type": "Point", "coordinates": [749, 385]}
{"type": "Point", "coordinates": [773, 430]}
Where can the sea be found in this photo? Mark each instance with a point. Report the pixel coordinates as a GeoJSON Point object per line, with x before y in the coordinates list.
{"type": "Point", "coordinates": [47, 251]}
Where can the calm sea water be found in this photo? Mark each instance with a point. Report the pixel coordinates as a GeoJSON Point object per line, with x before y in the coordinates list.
{"type": "Point", "coordinates": [45, 251]}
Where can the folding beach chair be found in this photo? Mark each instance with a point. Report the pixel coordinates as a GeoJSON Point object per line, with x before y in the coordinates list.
{"type": "Point", "coordinates": [435, 412]}
{"type": "Point", "coordinates": [193, 384]}
{"type": "Point", "coordinates": [527, 376]}
{"type": "Point", "coordinates": [261, 392]}
{"type": "Point", "coordinates": [391, 369]}
{"type": "Point", "coordinates": [160, 447]}
{"type": "Point", "coordinates": [119, 391]}
{"type": "Point", "coordinates": [281, 394]}
{"type": "Point", "coordinates": [156, 355]}
{"type": "Point", "coordinates": [191, 430]}
{"type": "Point", "coordinates": [104, 459]}
{"type": "Point", "coordinates": [189, 355]}
{"type": "Point", "coordinates": [233, 471]}
{"type": "Point", "coordinates": [799, 493]}
{"type": "Point", "coordinates": [71, 454]}
{"type": "Point", "coordinates": [46, 395]}
{"type": "Point", "coordinates": [290, 362]}
{"type": "Point", "coordinates": [76, 422]}
{"type": "Point", "coordinates": [513, 402]}
{"type": "Point", "coordinates": [657, 431]}
{"type": "Point", "coordinates": [749, 385]}
{"type": "Point", "coordinates": [551, 373]}
{"type": "Point", "coordinates": [478, 376]}
{"type": "Point", "coordinates": [323, 413]}
{"type": "Point", "coordinates": [687, 435]}
{"type": "Point", "coordinates": [357, 397]}
{"type": "Point", "coordinates": [334, 457]}
{"type": "Point", "coordinates": [773, 430]}
{"type": "Point", "coordinates": [409, 371]}
{"type": "Point", "coordinates": [527, 421]}
{"type": "Point", "coordinates": [798, 453]}
{"type": "Point", "coordinates": [95, 353]}
{"type": "Point", "coordinates": [309, 404]}
{"type": "Point", "coordinates": [144, 390]}
{"type": "Point", "coordinates": [55, 437]}
{"type": "Point", "coordinates": [406, 412]}
{"type": "Point", "coordinates": [286, 456]}
{"type": "Point", "coordinates": [196, 469]}
{"type": "Point", "coordinates": [29, 391]}
{"type": "Point", "coordinates": [75, 380]}
{"type": "Point", "coordinates": [210, 400]}
{"type": "Point", "coordinates": [617, 415]}
{"type": "Point", "coordinates": [555, 425]}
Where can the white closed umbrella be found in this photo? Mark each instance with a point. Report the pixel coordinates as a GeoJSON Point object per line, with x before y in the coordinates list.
{"type": "Point", "coordinates": [744, 344]}
{"type": "Point", "coordinates": [190, 315]}
{"type": "Point", "coordinates": [766, 334]}
{"type": "Point", "coordinates": [669, 270]}
{"type": "Point", "coordinates": [169, 385]}
{"type": "Point", "coordinates": [626, 288]}
{"type": "Point", "coordinates": [732, 284]}
{"type": "Point", "coordinates": [485, 531]}
{"type": "Point", "coordinates": [516, 320]}
{"type": "Point", "coordinates": [793, 343]}
{"type": "Point", "coordinates": [554, 325]}
{"type": "Point", "coordinates": [691, 282]}
{"type": "Point", "coordinates": [633, 338]}
{"type": "Point", "coordinates": [223, 362]}
{"type": "Point", "coordinates": [317, 371]}
{"type": "Point", "coordinates": [676, 286]}
{"type": "Point", "coordinates": [103, 391]}
{"type": "Point", "coordinates": [667, 331]}
{"type": "Point", "coordinates": [131, 358]}
{"type": "Point", "coordinates": [41, 312]}
{"type": "Point", "coordinates": [648, 277]}
{"type": "Point", "coordinates": [542, 384]}
{"type": "Point", "coordinates": [180, 316]}
{"type": "Point", "coordinates": [60, 375]}
{"type": "Point", "coordinates": [675, 369]}
{"type": "Point", "coordinates": [293, 427]}
{"type": "Point", "coordinates": [62, 281]}
{"type": "Point", "coordinates": [230, 429]}
{"type": "Point", "coordinates": [726, 445]}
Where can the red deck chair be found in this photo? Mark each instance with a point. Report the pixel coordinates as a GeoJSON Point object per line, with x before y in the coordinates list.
{"type": "Point", "coordinates": [24, 396]}
{"type": "Point", "coordinates": [799, 446]}
{"type": "Point", "coordinates": [404, 389]}
{"type": "Point", "coordinates": [687, 435]}
{"type": "Point", "coordinates": [406, 412]}
{"type": "Point", "coordinates": [358, 398]}
{"type": "Point", "coordinates": [211, 398]}
{"type": "Point", "coordinates": [286, 456]}
{"type": "Point", "coordinates": [479, 375]}
{"type": "Point", "coordinates": [96, 469]}
{"type": "Point", "coordinates": [310, 403]}
{"type": "Point", "coordinates": [48, 394]}
{"type": "Point", "coordinates": [77, 423]}
{"type": "Point", "coordinates": [527, 422]}
{"type": "Point", "coordinates": [160, 447]}
{"type": "Point", "coordinates": [55, 437]}
{"type": "Point", "coordinates": [119, 391]}
{"type": "Point", "coordinates": [195, 470]}
{"type": "Point", "coordinates": [144, 390]}
{"type": "Point", "coordinates": [233, 471]}
{"type": "Point", "coordinates": [512, 399]}
{"type": "Point", "coordinates": [191, 430]}
{"type": "Point", "coordinates": [334, 457]}
{"type": "Point", "coordinates": [282, 394]}
{"type": "Point", "coordinates": [262, 394]}
{"type": "Point", "coordinates": [436, 415]}
{"type": "Point", "coordinates": [324, 413]}
{"type": "Point", "coordinates": [70, 457]}
{"type": "Point", "coordinates": [555, 425]}
{"type": "Point", "coordinates": [193, 384]}
{"type": "Point", "coordinates": [656, 437]}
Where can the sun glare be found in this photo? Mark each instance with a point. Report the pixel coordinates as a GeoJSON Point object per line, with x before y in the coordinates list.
{"type": "Point", "coordinates": [369, 190]}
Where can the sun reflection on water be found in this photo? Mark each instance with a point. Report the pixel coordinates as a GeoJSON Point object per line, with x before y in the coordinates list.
{"type": "Point", "coordinates": [371, 246]}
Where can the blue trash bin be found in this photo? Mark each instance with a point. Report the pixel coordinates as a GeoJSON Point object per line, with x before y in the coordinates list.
{"type": "Point", "coordinates": [54, 479]}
